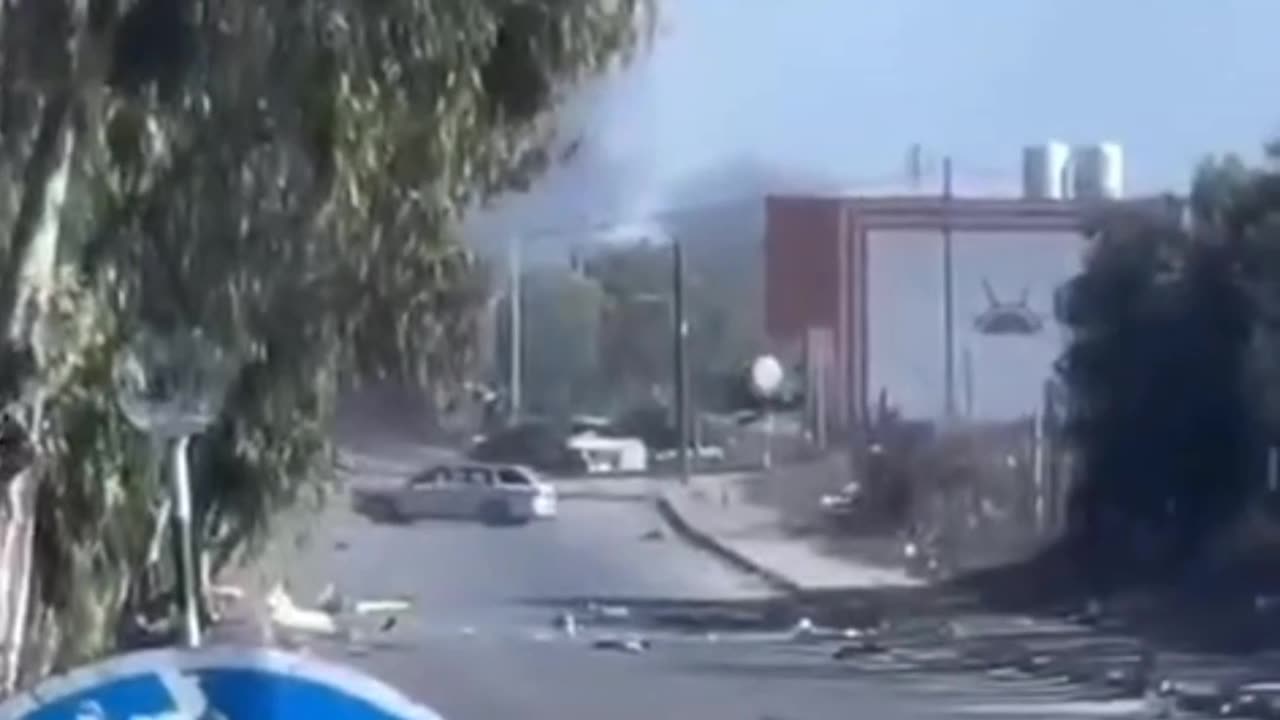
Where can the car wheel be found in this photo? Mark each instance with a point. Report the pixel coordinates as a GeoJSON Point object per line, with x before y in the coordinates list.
{"type": "Point", "coordinates": [388, 510]}
{"type": "Point", "coordinates": [495, 512]}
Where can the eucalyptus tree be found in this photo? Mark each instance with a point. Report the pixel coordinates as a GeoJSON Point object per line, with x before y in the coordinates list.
{"type": "Point", "coordinates": [285, 175]}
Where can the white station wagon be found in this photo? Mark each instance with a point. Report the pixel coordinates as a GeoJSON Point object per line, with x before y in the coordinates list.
{"type": "Point", "coordinates": [490, 493]}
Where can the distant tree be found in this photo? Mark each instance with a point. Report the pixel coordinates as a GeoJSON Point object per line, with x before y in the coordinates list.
{"type": "Point", "coordinates": [719, 217]}
{"type": "Point", "coordinates": [636, 332]}
{"type": "Point", "coordinates": [560, 338]}
{"type": "Point", "coordinates": [1216, 187]}
{"type": "Point", "coordinates": [1162, 403]}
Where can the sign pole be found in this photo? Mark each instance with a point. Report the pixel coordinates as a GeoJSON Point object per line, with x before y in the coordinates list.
{"type": "Point", "coordinates": [184, 560]}
{"type": "Point", "coordinates": [768, 439]}
{"type": "Point", "coordinates": [766, 380]}
{"type": "Point", "coordinates": [948, 298]}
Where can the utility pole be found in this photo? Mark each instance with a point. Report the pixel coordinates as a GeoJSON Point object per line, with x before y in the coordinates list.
{"type": "Point", "coordinates": [816, 392]}
{"type": "Point", "coordinates": [915, 165]}
{"type": "Point", "coordinates": [515, 339]}
{"type": "Point", "coordinates": [948, 297]}
{"type": "Point", "coordinates": [968, 383]}
{"type": "Point", "coordinates": [820, 405]}
{"type": "Point", "coordinates": [681, 361]}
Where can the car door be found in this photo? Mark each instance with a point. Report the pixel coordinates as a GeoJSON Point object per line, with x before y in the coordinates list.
{"type": "Point", "coordinates": [474, 488]}
{"type": "Point", "coordinates": [518, 489]}
{"type": "Point", "coordinates": [427, 494]}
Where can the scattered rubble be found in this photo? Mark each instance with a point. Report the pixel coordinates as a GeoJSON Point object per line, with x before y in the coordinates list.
{"type": "Point", "coordinates": [860, 647]}
{"type": "Point", "coordinates": [333, 616]}
{"type": "Point", "coordinates": [608, 612]}
{"type": "Point", "coordinates": [806, 630]}
{"type": "Point", "coordinates": [632, 645]}
{"type": "Point", "coordinates": [566, 622]}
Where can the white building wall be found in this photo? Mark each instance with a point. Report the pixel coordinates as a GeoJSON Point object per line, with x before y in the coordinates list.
{"type": "Point", "coordinates": [905, 314]}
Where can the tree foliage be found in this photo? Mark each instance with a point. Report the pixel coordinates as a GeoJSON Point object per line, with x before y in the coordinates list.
{"type": "Point", "coordinates": [638, 333]}
{"type": "Point", "coordinates": [1168, 372]}
{"type": "Point", "coordinates": [285, 176]}
{"type": "Point", "coordinates": [562, 313]}
{"type": "Point", "coordinates": [598, 336]}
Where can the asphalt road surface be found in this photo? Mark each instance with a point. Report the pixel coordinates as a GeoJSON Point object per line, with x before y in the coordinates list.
{"type": "Point", "coordinates": [481, 642]}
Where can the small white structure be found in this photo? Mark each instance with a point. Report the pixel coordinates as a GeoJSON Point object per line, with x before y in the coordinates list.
{"type": "Point", "coordinates": [1045, 171]}
{"type": "Point", "coordinates": [610, 454]}
{"type": "Point", "coordinates": [1098, 171]}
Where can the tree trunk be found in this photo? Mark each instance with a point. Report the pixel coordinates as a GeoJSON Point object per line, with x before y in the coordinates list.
{"type": "Point", "coordinates": [27, 280]}
{"type": "Point", "coordinates": [27, 283]}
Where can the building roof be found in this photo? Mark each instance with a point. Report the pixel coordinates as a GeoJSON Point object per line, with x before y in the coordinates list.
{"type": "Point", "coordinates": [964, 211]}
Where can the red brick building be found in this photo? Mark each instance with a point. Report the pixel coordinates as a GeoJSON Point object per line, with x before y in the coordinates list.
{"type": "Point", "coordinates": [819, 268]}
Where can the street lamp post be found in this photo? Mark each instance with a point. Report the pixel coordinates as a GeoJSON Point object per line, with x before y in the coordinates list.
{"type": "Point", "coordinates": [681, 360]}
{"type": "Point", "coordinates": [171, 387]}
{"type": "Point", "coordinates": [515, 332]}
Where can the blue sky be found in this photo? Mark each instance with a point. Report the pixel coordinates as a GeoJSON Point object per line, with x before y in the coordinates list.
{"type": "Point", "coordinates": [841, 88]}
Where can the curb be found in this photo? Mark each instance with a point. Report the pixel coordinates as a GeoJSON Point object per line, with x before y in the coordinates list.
{"type": "Point", "coordinates": [1182, 699]}
{"type": "Point", "coordinates": [603, 495]}
{"type": "Point", "coordinates": [706, 542]}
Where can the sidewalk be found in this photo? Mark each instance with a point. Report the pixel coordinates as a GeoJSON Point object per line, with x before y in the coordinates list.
{"type": "Point", "coordinates": [716, 514]}
{"type": "Point", "coordinates": [1106, 649]}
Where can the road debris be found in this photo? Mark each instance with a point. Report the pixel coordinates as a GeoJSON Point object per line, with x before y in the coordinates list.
{"type": "Point", "coordinates": [1123, 708]}
{"type": "Point", "coordinates": [608, 612]}
{"type": "Point", "coordinates": [227, 592]}
{"type": "Point", "coordinates": [221, 598]}
{"type": "Point", "coordinates": [380, 607]}
{"type": "Point", "coordinates": [632, 645]}
{"type": "Point", "coordinates": [290, 616]}
{"type": "Point", "coordinates": [859, 648]}
{"type": "Point", "coordinates": [330, 600]}
{"type": "Point", "coordinates": [806, 630]}
{"type": "Point", "coordinates": [566, 622]}
{"type": "Point", "coordinates": [333, 615]}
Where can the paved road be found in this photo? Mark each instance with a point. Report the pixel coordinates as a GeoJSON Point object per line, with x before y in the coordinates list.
{"type": "Point", "coordinates": [481, 644]}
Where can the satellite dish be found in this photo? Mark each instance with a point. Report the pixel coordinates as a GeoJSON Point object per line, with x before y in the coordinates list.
{"type": "Point", "coordinates": [1005, 317]}
{"type": "Point", "coordinates": [766, 376]}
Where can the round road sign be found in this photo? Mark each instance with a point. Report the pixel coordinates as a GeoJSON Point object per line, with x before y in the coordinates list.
{"type": "Point", "coordinates": [224, 683]}
{"type": "Point", "coordinates": [766, 375]}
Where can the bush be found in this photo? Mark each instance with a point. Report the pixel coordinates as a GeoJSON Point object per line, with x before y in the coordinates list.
{"type": "Point", "coordinates": [1160, 398]}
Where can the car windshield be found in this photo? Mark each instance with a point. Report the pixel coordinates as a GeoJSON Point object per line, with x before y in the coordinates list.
{"type": "Point", "coordinates": [610, 359]}
{"type": "Point", "coordinates": [508, 476]}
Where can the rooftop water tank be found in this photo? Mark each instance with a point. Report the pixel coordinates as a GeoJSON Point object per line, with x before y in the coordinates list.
{"type": "Point", "coordinates": [1044, 171]}
{"type": "Point", "coordinates": [1098, 172]}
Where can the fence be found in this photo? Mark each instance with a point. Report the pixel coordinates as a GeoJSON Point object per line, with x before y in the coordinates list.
{"type": "Point", "coordinates": [978, 493]}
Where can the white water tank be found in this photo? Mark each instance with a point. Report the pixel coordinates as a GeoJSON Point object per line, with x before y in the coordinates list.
{"type": "Point", "coordinates": [1098, 171]}
{"type": "Point", "coordinates": [1044, 171]}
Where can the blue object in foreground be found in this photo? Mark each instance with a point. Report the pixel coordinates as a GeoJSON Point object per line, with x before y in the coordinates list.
{"type": "Point", "coordinates": [222, 683]}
